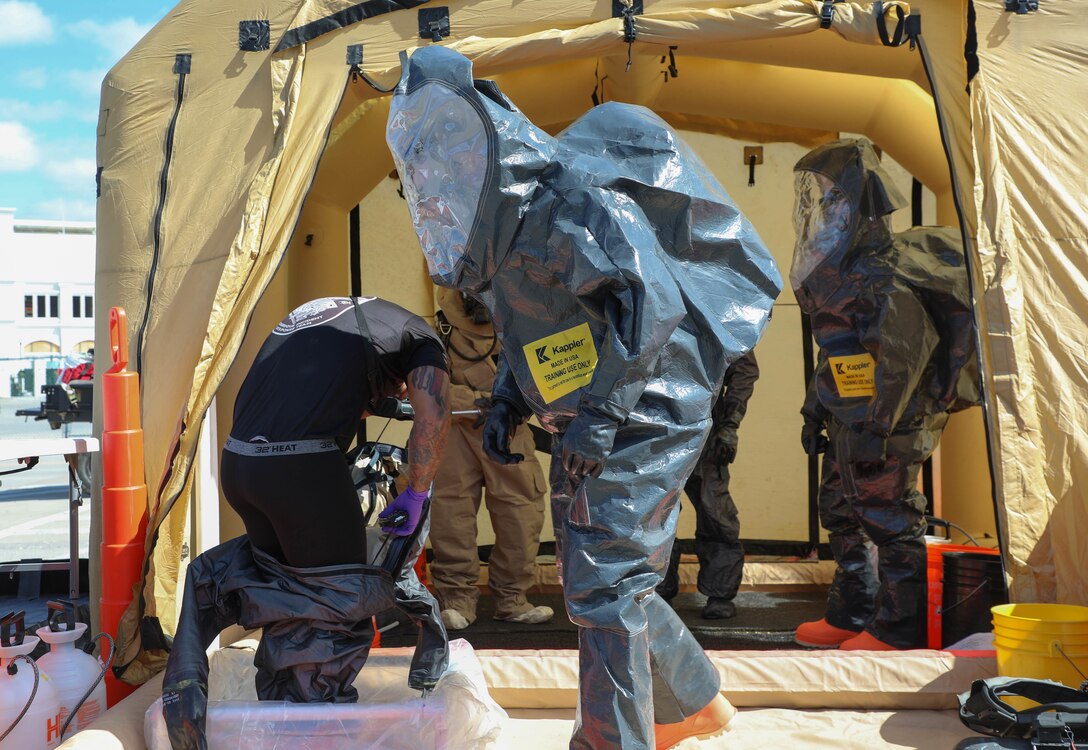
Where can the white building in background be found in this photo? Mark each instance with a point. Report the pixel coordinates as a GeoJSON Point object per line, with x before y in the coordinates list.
{"type": "Point", "coordinates": [46, 298]}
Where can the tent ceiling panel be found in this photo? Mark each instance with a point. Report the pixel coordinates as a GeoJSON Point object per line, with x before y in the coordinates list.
{"type": "Point", "coordinates": [896, 114]}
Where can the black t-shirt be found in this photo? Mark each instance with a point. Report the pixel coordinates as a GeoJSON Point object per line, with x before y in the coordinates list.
{"type": "Point", "coordinates": [311, 377]}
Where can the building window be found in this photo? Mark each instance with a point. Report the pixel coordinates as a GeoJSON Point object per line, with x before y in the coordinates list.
{"type": "Point", "coordinates": [41, 347]}
{"type": "Point", "coordinates": [83, 306]}
{"type": "Point", "coordinates": [34, 306]}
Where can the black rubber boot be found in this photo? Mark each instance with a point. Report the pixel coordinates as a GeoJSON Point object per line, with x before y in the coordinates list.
{"type": "Point", "coordinates": [719, 609]}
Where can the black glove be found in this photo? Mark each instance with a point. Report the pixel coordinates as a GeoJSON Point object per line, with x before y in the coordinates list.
{"type": "Point", "coordinates": [726, 445]}
{"type": "Point", "coordinates": [499, 426]}
{"type": "Point", "coordinates": [813, 439]}
{"type": "Point", "coordinates": [586, 444]}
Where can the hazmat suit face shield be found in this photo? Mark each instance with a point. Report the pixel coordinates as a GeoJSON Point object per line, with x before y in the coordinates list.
{"type": "Point", "coordinates": [440, 147]}
{"type": "Point", "coordinates": [822, 221]}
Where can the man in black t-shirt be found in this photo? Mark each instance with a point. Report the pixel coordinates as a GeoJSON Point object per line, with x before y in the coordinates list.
{"type": "Point", "coordinates": [317, 374]}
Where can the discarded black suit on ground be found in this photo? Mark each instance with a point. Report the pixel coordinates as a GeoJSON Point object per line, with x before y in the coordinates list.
{"type": "Point", "coordinates": [892, 317]}
{"type": "Point", "coordinates": [717, 524]}
{"type": "Point", "coordinates": [316, 621]}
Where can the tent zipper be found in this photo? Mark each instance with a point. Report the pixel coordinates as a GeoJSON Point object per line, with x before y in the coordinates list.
{"type": "Point", "coordinates": [182, 65]}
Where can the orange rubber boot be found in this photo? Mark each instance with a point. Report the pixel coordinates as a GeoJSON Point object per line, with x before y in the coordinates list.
{"type": "Point", "coordinates": [866, 641]}
{"type": "Point", "coordinates": [821, 634]}
{"type": "Point", "coordinates": [712, 720]}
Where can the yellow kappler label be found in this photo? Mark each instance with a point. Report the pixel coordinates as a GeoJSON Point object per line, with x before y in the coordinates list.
{"type": "Point", "coordinates": [853, 374]}
{"type": "Point", "coordinates": [562, 362]}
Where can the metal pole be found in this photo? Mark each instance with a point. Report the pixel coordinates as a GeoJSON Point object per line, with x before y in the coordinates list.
{"type": "Point", "coordinates": [75, 500]}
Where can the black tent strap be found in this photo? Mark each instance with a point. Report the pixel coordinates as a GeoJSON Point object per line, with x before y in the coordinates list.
{"type": "Point", "coordinates": [897, 36]}
{"type": "Point", "coordinates": [346, 17]}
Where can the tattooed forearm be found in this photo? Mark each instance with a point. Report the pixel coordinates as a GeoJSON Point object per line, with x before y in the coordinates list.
{"type": "Point", "coordinates": [427, 390]}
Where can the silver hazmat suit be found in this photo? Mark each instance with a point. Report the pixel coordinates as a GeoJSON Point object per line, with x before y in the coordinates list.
{"type": "Point", "coordinates": [892, 316]}
{"type": "Point", "coordinates": [622, 281]}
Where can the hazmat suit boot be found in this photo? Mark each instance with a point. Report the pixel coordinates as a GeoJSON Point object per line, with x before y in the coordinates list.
{"type": "Point", "coordinates": [719, 609]}
{"type": "Point", "coordinates": [866, 641]}
{"type": "Point", "coordinates": [454, 620]}
{"type": "Point", "coordinates": [709, 722]}
{"type": "Point", "coordinates": [530, 614]}
{"type": "Point", "coordinates": [821, 634]}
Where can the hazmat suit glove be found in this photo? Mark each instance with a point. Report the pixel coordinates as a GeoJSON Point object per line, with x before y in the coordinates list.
{"type": "Point", "coordinates": [586, 444]}
{"type": "Point", "coordinates": [813, 439]}
{"type": "Point", "coordinates": [499, 425]}
{"type": "Point", "coordinates": [726, 445]}
{"type": "Point", "coordinates": [408, 506]}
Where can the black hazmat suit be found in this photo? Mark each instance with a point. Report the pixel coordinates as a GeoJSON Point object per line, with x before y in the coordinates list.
{"type": "Point", "coordinates": [717, 524]}
{"type": "Point", "coordinates": [891, 314]}
{"type": "Point", "coordinates": [622, 281]}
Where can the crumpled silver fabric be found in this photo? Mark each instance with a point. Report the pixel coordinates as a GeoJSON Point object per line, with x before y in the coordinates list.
{"type": "Point", "coordinates": [622, 281]}
{"type": "Point", "coordinates": [892, 316]}
{"type": "Point", "coordinates": [316, 621]}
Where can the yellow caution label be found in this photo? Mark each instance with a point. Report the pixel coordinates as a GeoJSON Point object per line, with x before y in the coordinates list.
{"type": "Point", "coordinates": [853, 374]}
{"type": "Point", "coordinates": [562, 362]}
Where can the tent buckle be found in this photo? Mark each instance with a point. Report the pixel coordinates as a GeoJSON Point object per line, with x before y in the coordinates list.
{"type": "Point", "coordinates": [827, 13]}
{"type": "Point", "coordinates": [1021, 7]}
{"type": "Point", "coordinates": [434, 23]}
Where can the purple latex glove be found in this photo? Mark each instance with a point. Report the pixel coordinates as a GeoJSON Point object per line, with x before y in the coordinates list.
{"type": "Point", "coordinates": [407, 505]}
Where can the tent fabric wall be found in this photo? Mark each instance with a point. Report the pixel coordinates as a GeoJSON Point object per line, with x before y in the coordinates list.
{"type": "Point", "coordinates": [1029, 193]}
{"type": "Point", "coordinates": [253, 126]}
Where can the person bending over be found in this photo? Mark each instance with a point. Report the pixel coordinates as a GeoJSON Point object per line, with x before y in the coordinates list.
{"type": "Point", "coordinates": [316, 375]}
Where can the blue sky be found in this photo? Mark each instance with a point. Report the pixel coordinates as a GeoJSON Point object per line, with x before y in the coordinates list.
{"type": "Point", "coordinates": [53, 57]}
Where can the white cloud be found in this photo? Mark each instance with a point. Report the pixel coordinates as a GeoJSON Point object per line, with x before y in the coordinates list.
{"type": "Point", "coordinates": [87, 82]}
{"type": "Point", "coordinates": [64, 209]}
{"type": "Point", "coordinates": [116, 37]}
{"type": "Point", "coordinates": [32, 78]}
{"type": "Point", "coordinates": [73, 174]}
{"type": "Point", "coordinates": [47, 111]}
{"type": "Point", "coordinates": [18, 151]}
{"type": "Point", "coordinates": [23, 23]}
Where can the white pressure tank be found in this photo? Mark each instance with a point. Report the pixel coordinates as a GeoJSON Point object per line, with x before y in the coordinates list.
{"type": "Point", "coordinates": [39, 728]}
{"type": "Point", "coordinates": [72, 672]}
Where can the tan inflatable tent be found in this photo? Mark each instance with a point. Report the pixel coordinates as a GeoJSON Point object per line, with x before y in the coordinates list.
{"type": "Point", "coordinates": [235, 142]}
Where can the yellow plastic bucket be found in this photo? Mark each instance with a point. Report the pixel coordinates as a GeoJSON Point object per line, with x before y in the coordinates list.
{"type": "Point", "coordinates": [1041, 641]}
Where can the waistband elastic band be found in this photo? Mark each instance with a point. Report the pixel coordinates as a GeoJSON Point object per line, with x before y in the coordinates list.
{"type": "Point", "coordinates": [292, 447]}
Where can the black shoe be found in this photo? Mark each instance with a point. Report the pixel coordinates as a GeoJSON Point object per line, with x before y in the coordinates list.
{"type": "Point", "coordinates": [719, 609]}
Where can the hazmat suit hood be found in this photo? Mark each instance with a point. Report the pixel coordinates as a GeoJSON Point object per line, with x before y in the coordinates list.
{"type": "Point", "coordinates": [469, 161]}
{"type": "Point", "coordinates": [843, 200]}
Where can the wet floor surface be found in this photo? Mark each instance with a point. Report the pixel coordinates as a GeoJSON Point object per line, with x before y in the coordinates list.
{"type": "Point", "coordinates": [764, 621]}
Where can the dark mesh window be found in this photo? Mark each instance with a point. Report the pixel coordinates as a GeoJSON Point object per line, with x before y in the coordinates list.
{"type": "Point", "coordinates": [54, 306]}
{"type": "Point", "coordinates": [28, 306]}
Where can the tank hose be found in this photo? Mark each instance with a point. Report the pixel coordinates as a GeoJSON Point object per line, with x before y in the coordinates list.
{"type": "Point", "coordinates": [101, 675]}
{"type": "Point", "coordinates": [33, 691]}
